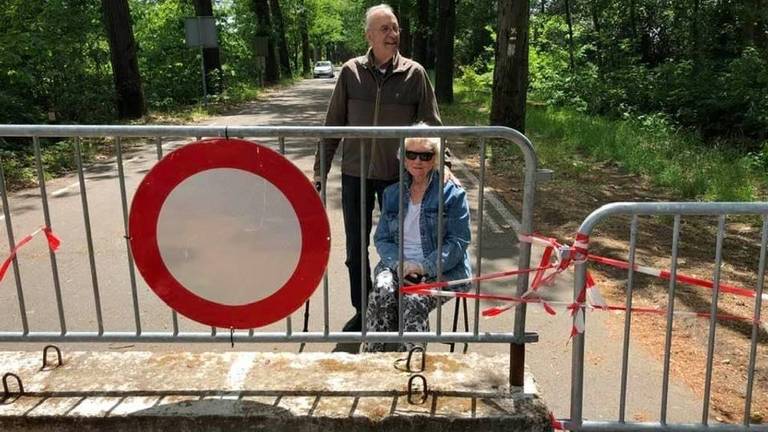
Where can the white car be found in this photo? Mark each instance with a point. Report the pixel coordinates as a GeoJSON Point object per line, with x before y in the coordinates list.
{"type": "Point", "coordinates": [323, 68]}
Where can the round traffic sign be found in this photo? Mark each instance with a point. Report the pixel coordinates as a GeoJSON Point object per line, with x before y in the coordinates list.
{"type": "Point", "coordinates": [229, 233]}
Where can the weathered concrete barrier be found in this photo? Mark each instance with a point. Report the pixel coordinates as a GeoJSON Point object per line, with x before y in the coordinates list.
{"type": "Point", "coordinates": [244, 391]}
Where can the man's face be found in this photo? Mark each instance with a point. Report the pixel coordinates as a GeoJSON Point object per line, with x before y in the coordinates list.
{"type": "Point", "coordinates": [383, 36]}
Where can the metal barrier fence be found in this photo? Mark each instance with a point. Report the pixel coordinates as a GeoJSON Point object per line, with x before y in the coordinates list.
{"type": "Point", "coordinates": [516, 338]}
{"type": "Point", "coordinates": [721, 210]}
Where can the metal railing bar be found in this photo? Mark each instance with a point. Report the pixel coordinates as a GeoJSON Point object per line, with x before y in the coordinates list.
{"type": "Point", "coordinates": [670, 319]}
{"type": "Point", "coordinates": [756, 323]}
{"type": "Point", "coordinates": [363, 240]}
{"type": "Point", "coordinates": [159, 147]}
{"type": "Point", "coordinates": [400, 238]}
{"type": "Point", "coordinates": [202, 337]}
{"type": "Point", "coordinates": [681, 208]}
{"type": "Point", "coordinates": [500, 132]}
{"type": "Point", "coordinates": [281, 149]}
{"type": "Point", "coordinates": [440, 228]}
{"type": "Point", "coordinates": [479, 240]}
{"type": "Point", "coordinates": [124, 202]}
{"type": "Point", "coordinates": [713, 319]}
{"type": "Point", "coordinates": [627, 319]}
{"type": "Point", "coordinates": [88, 234]}
{"type": "Point", "coordinates": [174, 315]}
{"type": "Point", "coordinates": [47, 219]}
{"type": "Point", "coordinates": [323, 198]}
{"type": "Point", "coordinates": [517, 352]}
{"type": "Point", "coordinates": [11, 245]}
{"type": "Point", "coordinates": [680, 427]}
{"type": "Point", "coordinates": [577, 352]}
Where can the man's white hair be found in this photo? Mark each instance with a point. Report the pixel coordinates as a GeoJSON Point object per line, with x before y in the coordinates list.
{"type": "Point", "coordinates": [373, 10]}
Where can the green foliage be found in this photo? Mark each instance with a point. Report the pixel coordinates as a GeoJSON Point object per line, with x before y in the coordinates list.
{"type": "Point", "coordinates": [720, 90]}
{"type": "Point", "coordinates": [53, 61]}
{"type": "Point", "coordinates": [650, 145]}
{"type": "Point", "coordinates": [170, 71]}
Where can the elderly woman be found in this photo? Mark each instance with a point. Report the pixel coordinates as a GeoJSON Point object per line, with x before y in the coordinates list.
{"type": "Point", "coordinates": [420, 255]}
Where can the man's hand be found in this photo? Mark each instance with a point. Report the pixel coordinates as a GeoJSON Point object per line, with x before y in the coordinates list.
{"type": "Point", "coordinates": [448, 176]}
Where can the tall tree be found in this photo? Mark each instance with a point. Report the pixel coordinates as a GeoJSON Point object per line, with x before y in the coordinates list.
{"type": "Point", "coordinates": [125, 66]}
{"type": "Point", "coordinates": [446, 25]}
{"type": "Point", "coordinates": [211, 56]}
{"type": "Point", "coordinates": [421, 33]}
{"type": "Point", "coordinates": [265, 30]}
{"type": "Point", "coordinates": [510, 76]}
{"type": "Point", "coordinates": [402, 11]}
{"type": "Point", "coordinates": [282, 44]}
{"type": "Point", "coordinates": [304, 30]}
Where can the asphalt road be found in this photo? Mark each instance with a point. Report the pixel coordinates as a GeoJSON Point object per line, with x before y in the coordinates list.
{"type": "Point", "coordinates": [301, 104]}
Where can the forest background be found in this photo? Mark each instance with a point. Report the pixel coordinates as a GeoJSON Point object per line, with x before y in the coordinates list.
{"type": "Point", "coordinates": [673, 90]}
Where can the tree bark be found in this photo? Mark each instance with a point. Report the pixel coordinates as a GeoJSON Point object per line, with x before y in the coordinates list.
{"type": "Point", "coordinates": [696, 42]}
{"type": "Point", "coordinates": [405, 28]}
{"type": "Point", "coordinates": [282, 44]}
{"type": "Point", "coordinates": [510, 76]}
{"type": "Point", "coordinates": [265, 30]}
{"type": "Point", "coordinates": [304, 30]}
{"type": "Point", "coordinates": [211, 56]}
{"type": "Point", "coordinates": [446, 24]}
{"type": "Point", "coordinates": [421, 33]}
{"type": "Point", "coordinates": [125, 65]}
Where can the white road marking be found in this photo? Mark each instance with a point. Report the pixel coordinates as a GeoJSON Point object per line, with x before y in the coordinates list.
{"type": "Point", "coordinates": [492, 199]}
{"type": "Point", "coordinates": [64, 190]}
{"type": "Point", "coordinates": [239, 370]}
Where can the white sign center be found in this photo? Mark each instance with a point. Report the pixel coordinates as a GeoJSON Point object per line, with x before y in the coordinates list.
{"type": "Point", "coordinates": [229, 236]}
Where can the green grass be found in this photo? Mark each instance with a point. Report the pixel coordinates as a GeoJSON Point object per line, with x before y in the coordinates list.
{"type": "Point", "coordinates": [567, 141]}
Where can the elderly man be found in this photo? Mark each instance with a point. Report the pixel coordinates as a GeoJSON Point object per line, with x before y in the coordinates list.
{"type": "Point", "coordinates": [381, 88]}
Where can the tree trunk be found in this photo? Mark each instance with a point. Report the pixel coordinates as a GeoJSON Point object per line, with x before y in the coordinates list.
{"type": "Point", "coordinates": [303, 29]}
{"type": "Point", "coordinates": [696, 43]}
{"type": "Point", "coordinates": [446, 24]}
{"type": "Point", "coordinates": [211, 57]}
{"type": "Point", "coordinates": [282, 44]}
{"type": "Point", "coordinates": [271, 68]}
{"type": "Point", "coordinates": [403, 7]}
{"type": "Point", "coordinates": [633, 24]}
{"type": "Point", "coordinates": [595, 8]}
{"type": "Point", "coordinates": [421, 33]}
{"type": "Point", "coordinates": [510, 77]}
{"type": "Point", "coordinates": [125, 65]}
{"type": "Point", "coordinates": [429, 61]}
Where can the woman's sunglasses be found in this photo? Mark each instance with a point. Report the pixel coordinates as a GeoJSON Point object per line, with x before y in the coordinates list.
{"type": "Point", "coordinates": [424, 156]}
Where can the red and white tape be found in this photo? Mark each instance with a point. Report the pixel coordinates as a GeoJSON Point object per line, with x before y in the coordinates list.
{"type": "Point", "coordinates": [557, 258]}
{"type": "Point", "coordinates": [53, 244]}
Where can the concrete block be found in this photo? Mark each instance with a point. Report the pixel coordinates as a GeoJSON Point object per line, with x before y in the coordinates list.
{"type": "Point", "coordinates": [242, 391]}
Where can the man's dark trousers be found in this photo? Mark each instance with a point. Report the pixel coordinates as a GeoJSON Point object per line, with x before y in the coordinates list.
{"type": "Point", "coordinates": [350, 203]}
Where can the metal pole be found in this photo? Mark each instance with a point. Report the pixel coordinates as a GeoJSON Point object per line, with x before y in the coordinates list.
{"type": "Point", "coordinates": [202, 70]}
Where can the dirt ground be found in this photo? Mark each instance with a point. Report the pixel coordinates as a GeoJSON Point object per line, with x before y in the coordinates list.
{"type": "Point", "coordinates": [564, 202]}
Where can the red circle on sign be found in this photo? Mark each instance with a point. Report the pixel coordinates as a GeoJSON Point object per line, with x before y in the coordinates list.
{"type": "Point", "coordinates": [205, 155]}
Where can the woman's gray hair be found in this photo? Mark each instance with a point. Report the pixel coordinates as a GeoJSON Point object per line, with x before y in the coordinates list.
{"type": "Point", "coordinates": [434, 142]}
{"type": "Point", "coordinates": [374, 9]}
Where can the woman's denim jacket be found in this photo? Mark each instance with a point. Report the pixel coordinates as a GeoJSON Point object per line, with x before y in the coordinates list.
{"type": "Point", "coordinates": [456, 229]}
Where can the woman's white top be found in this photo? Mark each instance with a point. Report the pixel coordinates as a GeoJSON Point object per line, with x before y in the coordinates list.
{"type": "Point", "coordinates": [412, 233]}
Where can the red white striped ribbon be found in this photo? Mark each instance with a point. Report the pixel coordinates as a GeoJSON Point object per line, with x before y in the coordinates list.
{"type": "Point", "coordinates": [572, 308]}
{"type": "Point", "coordinates": [53, 244]}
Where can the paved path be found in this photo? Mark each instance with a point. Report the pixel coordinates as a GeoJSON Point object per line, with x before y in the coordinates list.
{"type": "Point", "coordinates": [301, 104]}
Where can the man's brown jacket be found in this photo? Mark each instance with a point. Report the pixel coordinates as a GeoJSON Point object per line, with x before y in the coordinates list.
{"type": "Point", "coordinates": [402, 96]}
